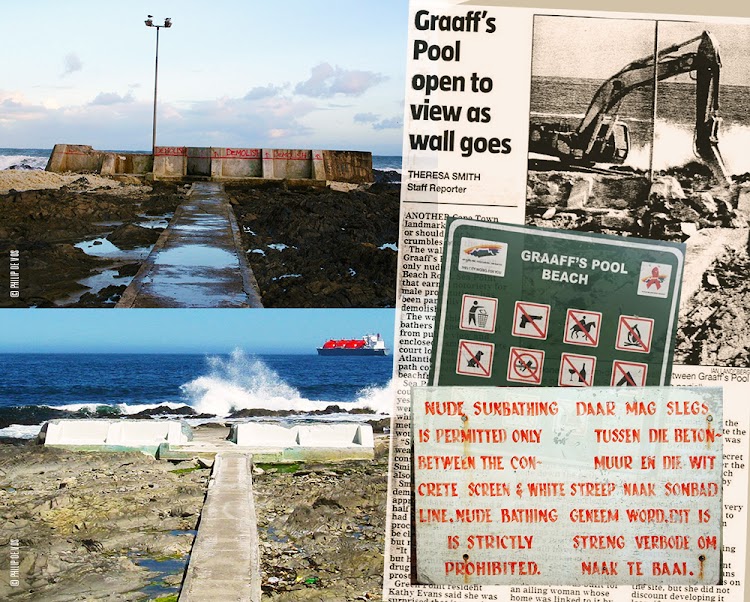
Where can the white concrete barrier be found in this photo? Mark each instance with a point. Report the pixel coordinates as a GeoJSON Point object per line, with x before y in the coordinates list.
{"type": "Point", "coordinates": [145, 435]}
{"type": "Point", "coordinates": [335, 435]}
{"type": "Point", "coordinates": [263, 435]}
{"type": "Point", "coordinates": [309, 442]}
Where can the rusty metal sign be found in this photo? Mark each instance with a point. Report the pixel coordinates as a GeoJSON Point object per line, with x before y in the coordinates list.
{"type": "Point", "coordinates": [567, 486]}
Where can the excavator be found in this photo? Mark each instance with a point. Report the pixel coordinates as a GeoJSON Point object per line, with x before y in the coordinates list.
{"type": "Point", "coordinates": [602, 138]}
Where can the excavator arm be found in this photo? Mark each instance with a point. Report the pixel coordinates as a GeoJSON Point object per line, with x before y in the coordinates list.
{"type": "Point", "coordinates": [600, 137]}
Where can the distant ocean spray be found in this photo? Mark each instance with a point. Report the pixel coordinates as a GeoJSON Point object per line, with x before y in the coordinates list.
{"type": "Point", "coordinates": [36, 158]}
{"type": "Point", "coordinates": [101, 384]}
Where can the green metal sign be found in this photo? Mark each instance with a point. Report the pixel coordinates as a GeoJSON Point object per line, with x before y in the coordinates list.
{"type": "Point", "coordinates": [525, 306]}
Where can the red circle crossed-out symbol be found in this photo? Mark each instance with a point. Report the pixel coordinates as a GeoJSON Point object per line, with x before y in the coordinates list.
{"type": "Point", "coordinates": [520, 363]}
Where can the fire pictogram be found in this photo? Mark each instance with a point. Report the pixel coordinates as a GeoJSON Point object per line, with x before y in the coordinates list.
{"type": "Point", "coordinates": [634, 334]}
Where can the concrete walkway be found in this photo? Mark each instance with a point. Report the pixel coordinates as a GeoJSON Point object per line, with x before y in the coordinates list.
{"type": "Point", "coordinates": [198, 261]}
{"type": "Point", "coordinates": [225, 560]}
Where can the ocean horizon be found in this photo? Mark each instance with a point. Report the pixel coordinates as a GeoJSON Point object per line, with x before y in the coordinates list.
{"type": "Point", "coordinates": [86, 384]}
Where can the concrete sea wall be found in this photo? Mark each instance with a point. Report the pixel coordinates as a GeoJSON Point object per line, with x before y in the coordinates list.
{"type": "Point", "coordinates": [218, 163]}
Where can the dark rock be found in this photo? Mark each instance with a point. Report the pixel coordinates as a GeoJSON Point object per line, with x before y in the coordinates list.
{"type": "Point", "coordinates": [130, 236]}
{"type": "Point", "coordinates": [164, 410]}
{"type": "Point", "coordinates": [107, 296]}
{"type": "Point", "coordinates": [386, 176]}
{"type": "Point", "coordinates": [128, 270]}
{"type": "Point", "coordinates": [334, 241]}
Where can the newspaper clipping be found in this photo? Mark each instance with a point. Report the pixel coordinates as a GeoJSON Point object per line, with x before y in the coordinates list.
{"type": "Point", "coordinates": [598, 122]}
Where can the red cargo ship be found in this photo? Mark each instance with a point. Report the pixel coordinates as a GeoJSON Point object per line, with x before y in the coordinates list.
{"type": "Point", "coordinates": [369, 344]}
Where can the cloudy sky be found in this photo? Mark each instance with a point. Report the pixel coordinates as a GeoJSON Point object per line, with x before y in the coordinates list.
{"type": "Point", "coordinates": [290, 73]}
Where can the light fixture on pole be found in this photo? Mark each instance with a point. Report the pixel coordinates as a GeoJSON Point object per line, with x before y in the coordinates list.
{"type": "Point", "coordinates": [150, 23]}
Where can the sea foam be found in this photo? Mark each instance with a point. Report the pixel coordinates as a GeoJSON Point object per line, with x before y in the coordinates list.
{"type": "Point", "coordinates": [246, 382]}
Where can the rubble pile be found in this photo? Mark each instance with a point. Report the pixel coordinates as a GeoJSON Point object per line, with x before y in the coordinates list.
{"type": "Point", "coordinates": [678, 204]}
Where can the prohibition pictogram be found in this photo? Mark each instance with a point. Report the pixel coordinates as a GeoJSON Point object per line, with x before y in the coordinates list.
{"type": "Point", "coordinates": [628, 374]}
{"type": "Point", "coordinates": [525, 365]}
{"type": "Point", "coordinates": [576, 370]}
{"type": "Point", "coordinates": [475, 358]}
{"type": "Point", "coordinates": [531, 320]}
{"type": "Point", "coordinates": [582, 327]}
{"type": "Point", "coordinates": [478, 313]}
{"type": "Point", "coordinates": [634, 334]}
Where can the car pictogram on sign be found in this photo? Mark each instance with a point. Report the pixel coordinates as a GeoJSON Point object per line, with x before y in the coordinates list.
{"type": "Point", "coordinates": [582, 327]}
{"type": "Point", "coordinates": [634, 334]}
{"type": "Point", "coordinates": [628, 374]}
{"type": "Point", "coordinates": [475, 358]}
{"type": "Point", "coordinates": [478, 313]}
{"type": "Point", "coordinates": [525, 365]}
{"type": "Point", "coordinates": [531, 320]}
{"type": "Point", "coordinates": [576, 370]}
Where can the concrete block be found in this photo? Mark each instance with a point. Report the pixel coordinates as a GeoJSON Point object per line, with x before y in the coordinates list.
{"type": "Point", "coordinates": [109, 164]}
{"type": "Point", "coordinates": [254, 434]}
{"type": "Point", "coordinates": [120, 434]}
{"type": "Point", "coordinates": [336, 435]}
{"type": "Point", "coordinates": [348, 166]}
{"type": "Point", "coordinates": [76, 432]}
{"type": "Point", "coordinates": [580, 193]}
{"type": "Point", "coordinates": [318, 165]}
{"type": "Point", "coordinates": [702, 250]}
{"type": "Point", "coordinates": [75, 157]}
{"type": "Point", "coordinates": [228, 163]}
{"type": "Point", "coordinates": [170, 162]}
{"type": "Point", "coordinates": [666, 188]}
{"type": "Point", "coordinates": [743, 201]}
{"type": "Point", "coordinates": [705, 204]}
{"type": "Point", "coordinates": [287, 163]}
{"type": "Point", "coordinates": [339, 436]}
{"type": "Point", "coordinates": [268, 163]}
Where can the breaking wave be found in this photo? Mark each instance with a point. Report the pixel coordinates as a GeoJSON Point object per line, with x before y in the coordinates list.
{"type": "Point", "coordinates": [241, 382]}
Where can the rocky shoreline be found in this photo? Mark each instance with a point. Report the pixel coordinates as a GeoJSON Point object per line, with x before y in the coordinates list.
{"type": "Point", "coordinates": [104, 526]}
{"type": "Point", "coordinates": [48, 225]}
{"type": "Point", "coordinates": [308, 247]}
{"type": "Point", "coordinates": [312, 247]}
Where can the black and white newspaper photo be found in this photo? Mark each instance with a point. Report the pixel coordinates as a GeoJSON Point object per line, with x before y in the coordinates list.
{"type": "Point", "coordinates": [542, 149]}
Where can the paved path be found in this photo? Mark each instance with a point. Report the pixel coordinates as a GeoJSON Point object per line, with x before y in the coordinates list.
{"type": "Point", "coordinates": [225, 560]}
{"type": "Point", "coordinates": [198, 261]}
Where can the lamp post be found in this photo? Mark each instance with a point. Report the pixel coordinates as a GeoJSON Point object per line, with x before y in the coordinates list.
{"type": "Point", "coordinates": [150, 23]}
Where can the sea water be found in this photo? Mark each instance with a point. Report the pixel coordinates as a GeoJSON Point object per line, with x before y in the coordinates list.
{"type": "Point", "coordinates": [210, 384]}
